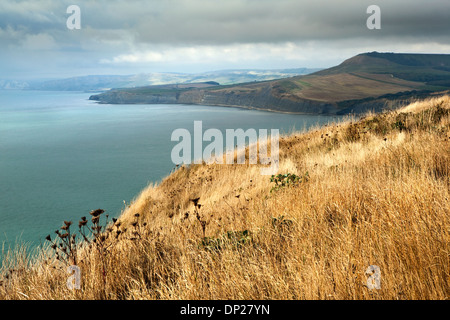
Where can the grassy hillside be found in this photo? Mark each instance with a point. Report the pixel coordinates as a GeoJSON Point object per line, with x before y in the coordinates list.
{"type": "Point", "coordinates": [368, 192]}
{"type": "Point", "coordinates": [388, 80]}
{"type": "Point", "coordinates": [371, 75]}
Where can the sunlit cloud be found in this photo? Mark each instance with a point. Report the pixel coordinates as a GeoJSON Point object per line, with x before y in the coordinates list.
{"type": "Point", "coordinates": [201, 53]}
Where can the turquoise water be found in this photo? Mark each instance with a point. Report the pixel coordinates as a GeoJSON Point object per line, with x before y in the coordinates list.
{"type": "Point", "coordinates": [62, 155]}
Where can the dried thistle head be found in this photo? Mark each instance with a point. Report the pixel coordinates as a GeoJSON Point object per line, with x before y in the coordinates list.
{"type": "Point", "coordinates": [82, 223]}
{"type": "Point", "coordinates": [64, 235]}
{"type": "Point", "coordinates": [195, 201]}
{"type": "Point", "coordinates": [97, 212]}
{"type": "Point", "coordinates": [95, 219]}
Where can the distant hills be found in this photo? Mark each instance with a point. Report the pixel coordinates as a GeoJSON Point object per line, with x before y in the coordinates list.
{"type": "Point", "coordinates": [95, 83]}
{"type": "Point", "coordinates": [368, 81]}
{"type": "Point", "coordinates": [13, 84]}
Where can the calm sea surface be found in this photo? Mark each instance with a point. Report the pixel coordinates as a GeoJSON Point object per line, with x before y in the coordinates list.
{"type": "Point", "coordinates": [62, 155]}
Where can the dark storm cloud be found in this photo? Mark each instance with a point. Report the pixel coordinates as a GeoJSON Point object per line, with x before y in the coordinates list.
{"type": "Point", "coordinates": [231, 21]}
{"type": "Point", "coordinates": [244, 21]}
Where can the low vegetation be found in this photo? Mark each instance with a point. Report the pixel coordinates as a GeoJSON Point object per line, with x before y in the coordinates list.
{"type": "Point", "coordinates": [367, 192]}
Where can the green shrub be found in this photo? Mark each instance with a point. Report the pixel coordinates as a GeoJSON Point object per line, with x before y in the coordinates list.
{"type": "Point", "coordinates": [287, 180]}
{"type": "Point", "coordinates": [229, 239]}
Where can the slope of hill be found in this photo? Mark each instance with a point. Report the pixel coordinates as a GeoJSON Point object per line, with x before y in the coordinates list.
{"type": "Point", "coordinates": [370, 81]}
{"type": "Point", "coordinates": [360, 193]}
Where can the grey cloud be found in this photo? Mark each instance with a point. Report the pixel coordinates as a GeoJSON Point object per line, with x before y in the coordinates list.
{"type": "Point", "coordinates": [282, 20]}
{"type": "Point", "coordinates": [234, 21]}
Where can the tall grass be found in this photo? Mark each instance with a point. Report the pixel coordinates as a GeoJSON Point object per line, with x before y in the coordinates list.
{"type": "Point", "coordinates": [377, 193]}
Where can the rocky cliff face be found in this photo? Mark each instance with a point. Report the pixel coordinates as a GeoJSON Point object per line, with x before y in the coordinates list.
{"type": "Point", "coordinates": [124, 97]}
{"type": "Point", "coordinates": [261, 99]}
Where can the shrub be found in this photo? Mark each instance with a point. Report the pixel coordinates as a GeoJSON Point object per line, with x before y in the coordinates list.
{"type": "Point", "coordinates": [287, 180]}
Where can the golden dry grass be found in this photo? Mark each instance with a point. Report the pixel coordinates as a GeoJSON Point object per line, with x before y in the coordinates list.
{"type": "Point", "coordinates": [347, 86]}
{"type": "Point", "coordinates": [377, 194]}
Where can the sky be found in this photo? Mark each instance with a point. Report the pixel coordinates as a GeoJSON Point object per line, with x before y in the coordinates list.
{"type": "Point", "coordinates": [129, 37]}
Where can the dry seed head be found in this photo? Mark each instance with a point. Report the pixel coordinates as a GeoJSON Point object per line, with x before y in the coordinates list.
{"type": "Point", "coordinates": [97, 212]}
{"type": "Point", "coordinates": [95, 219]}
{"type": "Point", "coordinates": [195, 201]}
{"type": "Point", "coordinates": [82, 223]}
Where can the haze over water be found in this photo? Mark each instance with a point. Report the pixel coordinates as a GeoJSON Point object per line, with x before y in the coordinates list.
{"type": "Point", "coordinates": [62, 155]}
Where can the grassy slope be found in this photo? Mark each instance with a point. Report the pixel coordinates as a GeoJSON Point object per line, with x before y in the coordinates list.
{"type": "Point", "coordinates": [363, 76]}
{"type": "Point", "coordinates": [377, 194]}
{"type": "Point", "coordinates": [344, 86]}
{"type": "Point", "coordinates": [370, 75]}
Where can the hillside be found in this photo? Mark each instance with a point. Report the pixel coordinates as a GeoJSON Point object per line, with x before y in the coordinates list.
{"type": "Point", "coordinates": [369, 81]}
{"type": "Point", "coordinates": [350, 195]}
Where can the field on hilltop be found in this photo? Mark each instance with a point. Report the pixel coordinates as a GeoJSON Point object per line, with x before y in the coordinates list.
{"type": "Point", "coordinates": [366, 192]}
{"type": "Point", "coordinates": [338, 87]}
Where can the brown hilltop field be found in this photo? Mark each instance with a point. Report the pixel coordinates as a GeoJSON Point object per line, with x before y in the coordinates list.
{"type": "Point", "coordinates": [369, 191]}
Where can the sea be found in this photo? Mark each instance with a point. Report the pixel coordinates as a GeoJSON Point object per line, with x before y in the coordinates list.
{"type": "Point", "coordinates": [62, 155]}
